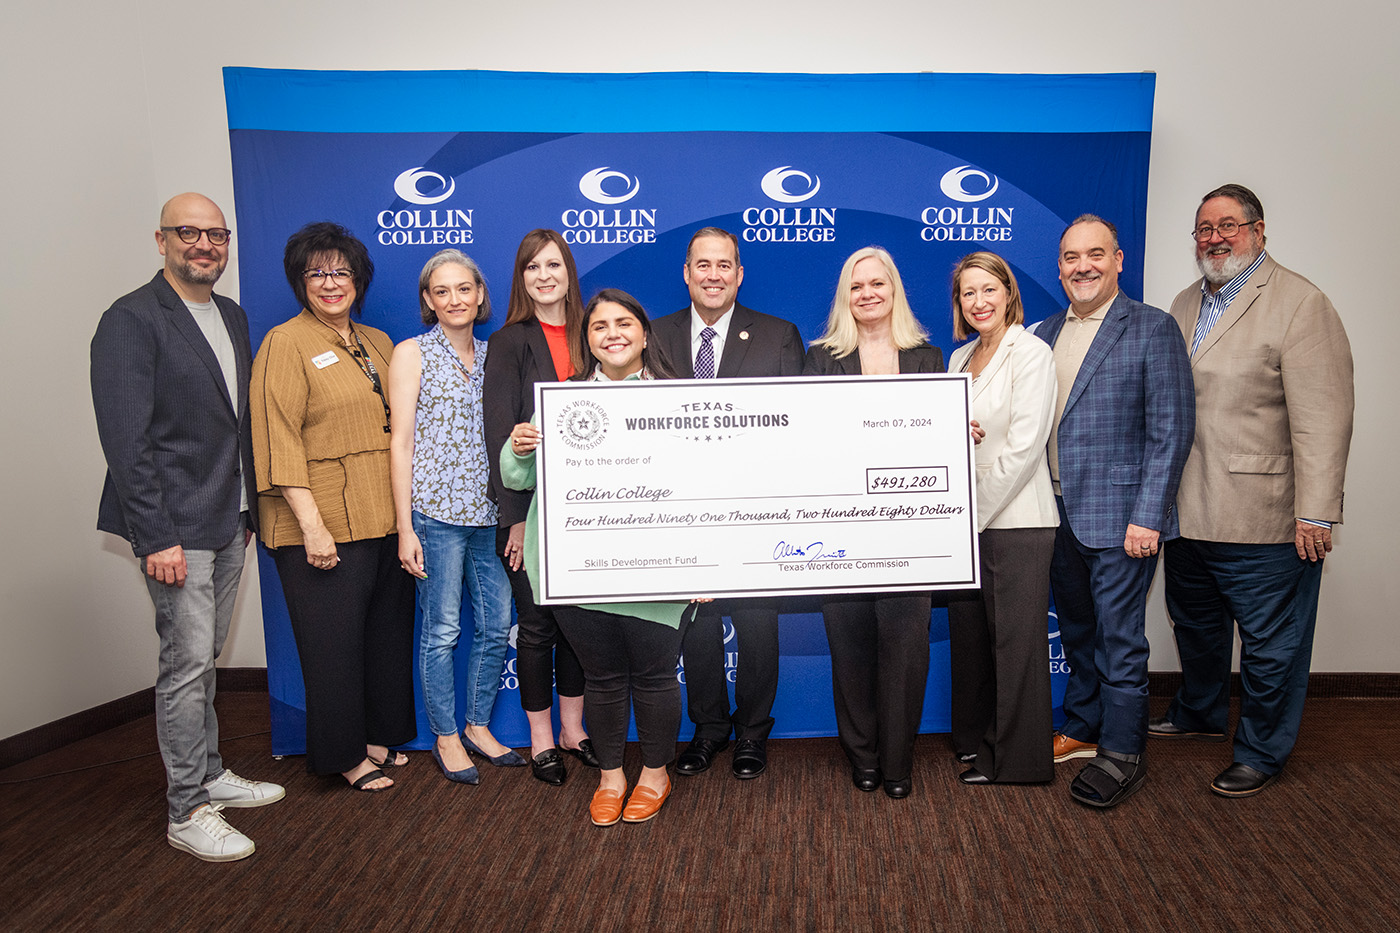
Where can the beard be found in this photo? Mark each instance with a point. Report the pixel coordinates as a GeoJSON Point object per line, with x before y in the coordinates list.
{"type": "Point", "coordinates": [188, 272]}
{"type": "Point", "coordinates": [1221, 270]}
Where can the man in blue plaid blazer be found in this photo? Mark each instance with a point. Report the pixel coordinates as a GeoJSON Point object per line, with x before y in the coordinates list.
{"type": "Point", "coordinates": [1123, 428]}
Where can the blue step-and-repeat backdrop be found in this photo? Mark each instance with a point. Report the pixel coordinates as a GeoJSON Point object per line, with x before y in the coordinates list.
{"type": "Point", "coordinates": [805, 169]}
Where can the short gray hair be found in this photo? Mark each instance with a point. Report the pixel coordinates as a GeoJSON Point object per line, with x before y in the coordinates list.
{"type": "Point", "coordinates": [458, 258]}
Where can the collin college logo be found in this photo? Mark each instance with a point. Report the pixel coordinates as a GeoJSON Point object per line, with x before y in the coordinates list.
{"type": "Point", "coordinates": [966, 185]}
{"type": "Point", "coordinates": [607, 185]}
{"type": "Point", "coordinates": [775, 185]}
{"type": "Point", "coordinates": [1058, 664]}
{"type": "Point", "coordinates": [788, 185]}
{"type": "Point", "coordinates": [591, 186]}
{"type": "Point", "coordinates": [446, 226]}
{"type": "Point", "coordinates": [407, 186]}
{"type": "Point", "coordinates": [954, 184]}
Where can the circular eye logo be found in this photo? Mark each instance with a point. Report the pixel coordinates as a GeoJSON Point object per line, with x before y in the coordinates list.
{"type": "Point", "coordinates": [583, 424]}
{"type": "Point", "coordinates": [776, 185]}
{"type": "Point", "coordinates": [954, 184]}
{"type": "Point", "coordinates": [408, 186]}
{"type": "Point", "coordinates": [592, 185]}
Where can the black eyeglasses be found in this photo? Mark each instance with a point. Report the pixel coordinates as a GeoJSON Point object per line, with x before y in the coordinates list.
{"type": "Point", "coordinates": [1227, 230]}
{"type": "Point", "coordinates": [322, 276]}
{"type": "Point", "coordinates": [218, 236]}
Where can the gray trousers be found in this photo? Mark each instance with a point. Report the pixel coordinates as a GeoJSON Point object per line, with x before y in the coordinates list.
{"type": "Point", "coordinates": [192, 622]}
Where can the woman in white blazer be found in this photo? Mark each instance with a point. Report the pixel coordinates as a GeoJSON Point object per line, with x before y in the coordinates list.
{"type": "Point", "coordinates": [1001, 680]}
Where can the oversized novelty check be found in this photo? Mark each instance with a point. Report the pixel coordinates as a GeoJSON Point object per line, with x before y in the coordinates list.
{"type": "Point", "coordinates": [755, 487]}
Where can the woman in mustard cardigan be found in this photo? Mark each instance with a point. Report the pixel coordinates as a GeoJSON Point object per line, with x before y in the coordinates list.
{"type": "Point", "coordinates": [321, 453]}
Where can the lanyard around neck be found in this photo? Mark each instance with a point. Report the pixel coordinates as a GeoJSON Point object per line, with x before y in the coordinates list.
{"type": "Point", "coordinates": [366, 366]}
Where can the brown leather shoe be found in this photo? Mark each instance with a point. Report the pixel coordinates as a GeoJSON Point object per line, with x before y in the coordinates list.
{"type": "Point", "coordinates": [1067, 748]}
{"type": "Point", "coordinates": [606, 807]}
{"type": "Point", "coordinates": [644, 803]}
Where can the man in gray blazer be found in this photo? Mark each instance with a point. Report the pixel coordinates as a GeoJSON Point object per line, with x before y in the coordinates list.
{"type": "Point", "coordinates": [170, 371]}
{"type": "Point", "coordinates": [716, 337]}
{"type": "Point", "coordinates": [1260, 491]}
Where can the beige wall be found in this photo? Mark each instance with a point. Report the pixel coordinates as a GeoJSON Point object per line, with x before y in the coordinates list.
{"type": "Point", "coordinates": [110, 109]}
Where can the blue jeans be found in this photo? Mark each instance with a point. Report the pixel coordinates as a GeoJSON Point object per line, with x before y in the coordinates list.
{"type": "Point", "coordinates": [192, 622]}
{"type": "Point", "coordinates": [458, 558]}
{"type": "Point", "coordinates": [1271, 593]}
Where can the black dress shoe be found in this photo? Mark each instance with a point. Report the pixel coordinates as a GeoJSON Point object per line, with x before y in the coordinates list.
{"type": "Point", "coordinates": [898, 789]}
{"type": "Point", "coordinates": [698, 755]}
{"type": "Point", "coordinates": [964, 758]}
{"type": "Point", "coordinates": [583, 753]}
{"type": "Point", "coordinates": [1241, 781]}
{"type": "Point", "coordinates": [548, 766]}
{"type": "Point", "coordinates": [973, 776]}
{"type": "Point", "coordinates": [750, 758]}
{"type": "Point", "coordinates": [866, 779]}
{"type": "Point", "coordinates": [1164, 728]}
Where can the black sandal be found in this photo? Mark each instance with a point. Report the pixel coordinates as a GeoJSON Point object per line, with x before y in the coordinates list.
{"type": "Point", "coordinates": [367, 778]}
{"type": "Point", "coordinates": [1108, 780]}
{"type": "Point", "coordinates": [391, 760]}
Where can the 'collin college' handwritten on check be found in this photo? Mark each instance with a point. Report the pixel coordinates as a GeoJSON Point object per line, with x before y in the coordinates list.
{"type": "Point", "coordinates": [676, 489]}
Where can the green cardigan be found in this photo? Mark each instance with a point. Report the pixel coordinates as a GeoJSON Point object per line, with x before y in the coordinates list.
{"type": "Point", "coordinates": [518, 472]}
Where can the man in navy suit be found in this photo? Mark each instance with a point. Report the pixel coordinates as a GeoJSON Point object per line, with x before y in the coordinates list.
{"type": "Point", "coordinates": [1123, 428]}
{"type": "Point", "coordinates": [170, 370]}
{"type": "Point", "coordinates": [716, 337]}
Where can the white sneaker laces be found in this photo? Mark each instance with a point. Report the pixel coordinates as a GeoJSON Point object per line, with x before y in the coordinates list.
{"type": "Point", "coordinates": [209, 820]}
{"type": "Point", "coordinates": [228, 777]}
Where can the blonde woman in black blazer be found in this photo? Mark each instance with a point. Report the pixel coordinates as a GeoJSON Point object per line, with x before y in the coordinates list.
{"type": "Point", "coordinates": [879, 643]}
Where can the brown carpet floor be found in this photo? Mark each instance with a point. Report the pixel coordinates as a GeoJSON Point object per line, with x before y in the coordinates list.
{"type": "Point", "coordinates": [797, 849]}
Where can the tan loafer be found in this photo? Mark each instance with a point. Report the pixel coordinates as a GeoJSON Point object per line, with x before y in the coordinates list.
{"type": "Point", "coordinates": [606, 807]}
{"type": "Point", "coordinates": [644, 803]}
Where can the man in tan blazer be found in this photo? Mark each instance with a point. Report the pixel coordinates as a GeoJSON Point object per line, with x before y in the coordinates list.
{"type": "Point", "coordinates": [1260, 491]}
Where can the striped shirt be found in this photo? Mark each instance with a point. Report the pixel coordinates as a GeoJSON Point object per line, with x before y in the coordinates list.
{"type": "Point", "coordinates": [1214, 305]}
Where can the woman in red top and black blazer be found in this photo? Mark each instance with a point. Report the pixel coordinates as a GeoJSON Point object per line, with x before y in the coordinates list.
{"type": "Point", "coordinates": [538, 343]}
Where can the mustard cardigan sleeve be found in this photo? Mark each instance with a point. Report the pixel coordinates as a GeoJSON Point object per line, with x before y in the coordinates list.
{"type": "Point", "coordinates": [278, 400]}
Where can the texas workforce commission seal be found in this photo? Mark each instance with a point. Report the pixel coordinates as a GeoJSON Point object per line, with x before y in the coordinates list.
{"type": "Point", "coordinates": [583, 424]}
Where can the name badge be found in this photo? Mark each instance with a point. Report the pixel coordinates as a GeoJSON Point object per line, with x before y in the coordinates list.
{"type": "Point", "coordinates": [325, 359]}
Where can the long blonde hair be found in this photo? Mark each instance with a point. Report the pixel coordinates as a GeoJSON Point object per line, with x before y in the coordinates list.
{"type": "Point", "coordinates": [841, 337]}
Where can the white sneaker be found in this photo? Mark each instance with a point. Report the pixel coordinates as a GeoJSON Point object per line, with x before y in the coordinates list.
{"type": "Point", "coordinates": [206, 836]}
{"type": "Point", "coordinates": [230, 790]}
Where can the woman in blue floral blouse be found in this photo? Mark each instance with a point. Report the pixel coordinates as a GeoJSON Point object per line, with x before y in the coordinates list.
{"type": "Point", "coordinates": [446, 519]}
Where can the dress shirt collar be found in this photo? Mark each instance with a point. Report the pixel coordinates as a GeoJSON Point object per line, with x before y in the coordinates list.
{"type": "Point", "coordinates": [721, 326]}
{"type": "Point", "coordinates": [598, 375]}
{"type": "Point", "coordinates": [1227, 292]}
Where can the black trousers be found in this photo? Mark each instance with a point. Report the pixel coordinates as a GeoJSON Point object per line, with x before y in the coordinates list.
{"type": "Point", "coordinates": [756, 680]}
{"type": "Point", "coordinates": [629, 666]}
{"type": "Point", "coordinates": [544, 659]}
{"type": "Point", "coordinates": [353, 627]}
{"type": "Point", "coordinates": [998, 637]}
{"type": "Point", "coordinates": [879, 672]}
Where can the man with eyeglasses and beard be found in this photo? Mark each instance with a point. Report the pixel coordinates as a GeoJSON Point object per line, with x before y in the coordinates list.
{"type": "Point", "coordinates": [1260, 492]}
{"type": "Point", "coordinates": [170, 370]}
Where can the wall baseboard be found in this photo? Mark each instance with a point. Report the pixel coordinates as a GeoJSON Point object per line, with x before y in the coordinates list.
{"type": "Point", "coordinates": [1379, 686]}
{"type": "Point", "coordinates": [90, 722]}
